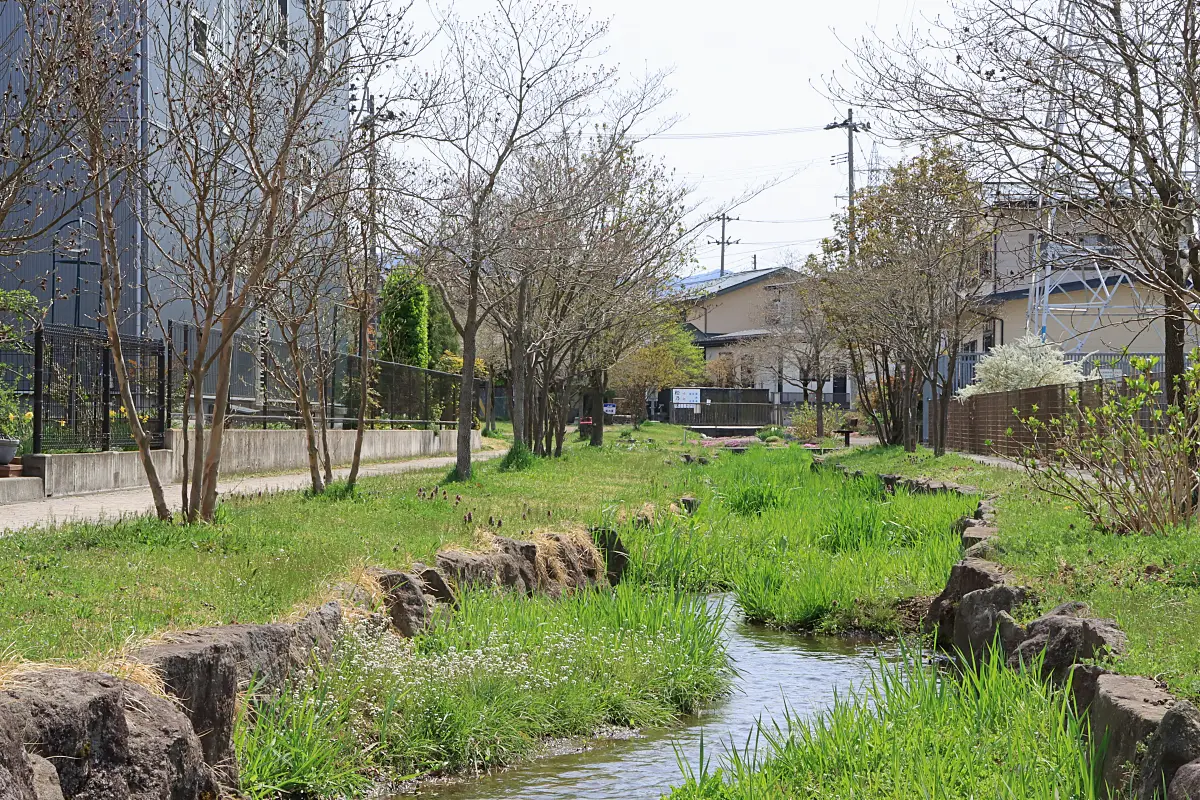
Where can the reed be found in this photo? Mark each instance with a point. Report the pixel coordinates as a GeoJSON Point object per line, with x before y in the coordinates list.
{"type": "Point", "coordinates": [801, 548]}
{"type": "Point", "coordinates": [915, 732]}
{"type": "Point", "coordinates": [487, 689]}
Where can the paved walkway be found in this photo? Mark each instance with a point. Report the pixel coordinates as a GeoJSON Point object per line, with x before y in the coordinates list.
{"type": "Point", "coordinates": [134, 502]}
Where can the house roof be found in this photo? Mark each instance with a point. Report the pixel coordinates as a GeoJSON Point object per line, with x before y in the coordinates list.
{"type": "Point", "coordinates": [1063, 288]}
{"type": "Point", "coordinates": [715, 339]}
{"type": "Point", "coordinates": [708, 286]}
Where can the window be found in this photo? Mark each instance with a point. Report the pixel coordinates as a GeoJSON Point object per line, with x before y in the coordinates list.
{"type": "Point", "coordinates": [199, 37]}
{"type": "Point", "coordinates": [281, 23]}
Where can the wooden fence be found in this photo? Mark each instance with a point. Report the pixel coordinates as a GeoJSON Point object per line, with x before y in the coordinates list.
{"type": "Point", "coordinates": [990, 424]}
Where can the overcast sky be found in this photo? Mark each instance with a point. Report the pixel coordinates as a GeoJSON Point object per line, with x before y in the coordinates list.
{"type": "Point", "coordinates": [753, 65]}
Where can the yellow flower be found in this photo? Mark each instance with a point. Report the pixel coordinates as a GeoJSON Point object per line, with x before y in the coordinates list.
{"type": "Point", "coordinates": [28, 415]}
{"type": "Point", "coordinates": [62, 423]}
{"type": "Point", "coordinates": [12, 417]}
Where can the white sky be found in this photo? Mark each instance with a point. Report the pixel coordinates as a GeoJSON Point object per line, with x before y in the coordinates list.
{"type": "Point", "coordinates": [748, 66]}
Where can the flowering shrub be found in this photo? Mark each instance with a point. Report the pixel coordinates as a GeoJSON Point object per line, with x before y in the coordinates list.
{"type": "Point", "coordinates": [503, 673]}
{"type": "Point", "coordinates": [16, 422]}
{"type": "Point", "coordinates": [1023, 364]}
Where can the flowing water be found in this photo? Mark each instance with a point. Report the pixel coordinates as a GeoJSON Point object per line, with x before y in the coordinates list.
{"type": "Point", "coordinates": [776, 670]}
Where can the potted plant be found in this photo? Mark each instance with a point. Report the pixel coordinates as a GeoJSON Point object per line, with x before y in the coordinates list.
{"type": "Point", "coordinates": [15, 423]}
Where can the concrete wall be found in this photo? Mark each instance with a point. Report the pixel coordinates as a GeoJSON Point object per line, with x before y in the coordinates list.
{"type": "Point", "coordinates": [242, 451]}
{"type": "Point", "coordinates": [80, 473]}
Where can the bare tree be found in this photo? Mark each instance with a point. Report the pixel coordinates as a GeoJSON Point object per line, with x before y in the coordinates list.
{"type": "Point", "coordinates": [252, 145]}
{"type": "Point", "coordinates": [1089, 108]}
{"type": "Point", "coordinates": [515, 77]}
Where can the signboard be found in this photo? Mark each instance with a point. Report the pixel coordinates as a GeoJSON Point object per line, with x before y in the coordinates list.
{"type": "Point", "coordinates": [1111, 373]}
{"type": "Point", "coordinates": [610, 408]}
{"type": "Point", "coordinates": [682, 397]}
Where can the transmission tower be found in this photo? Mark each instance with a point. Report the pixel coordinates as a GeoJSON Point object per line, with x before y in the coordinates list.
{"type": "Point", "coordinates": [1073, 286]}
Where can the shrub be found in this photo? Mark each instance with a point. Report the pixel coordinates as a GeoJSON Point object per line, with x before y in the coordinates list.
{"type": "Point", "coordinates": [517, 458]}
{"type": "Point", "coordinates": [804, 421]}
{"type": "Point", "coordinates": [771, 432]}
{"type": "Point", "coordinates": [1022, 364]}
{"type": "Point", "coordinates": [1127, 462]}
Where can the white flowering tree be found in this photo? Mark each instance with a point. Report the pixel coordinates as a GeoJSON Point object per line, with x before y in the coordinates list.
{"type": "Point", "coordinates": [1023, 364]}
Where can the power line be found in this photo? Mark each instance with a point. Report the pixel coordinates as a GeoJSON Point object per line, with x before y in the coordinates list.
{"type": "Point", "coordinates": [786, 221]}
{"type": "Point", "coordinates": [851, 128]}
{"type": "Point", "coordinates": [734, 134]}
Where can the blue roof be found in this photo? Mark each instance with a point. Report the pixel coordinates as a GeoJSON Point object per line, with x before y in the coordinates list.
{"type": "Point", "coordinates": [711, 283]}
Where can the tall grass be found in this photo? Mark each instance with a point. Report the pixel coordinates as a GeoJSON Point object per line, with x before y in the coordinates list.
{"type": "Point", "coordinates": [913, 733]}
{"type": "Point", "coordinates": [488, 688]}
{"type": "Point", "coordinates": [802, 549]}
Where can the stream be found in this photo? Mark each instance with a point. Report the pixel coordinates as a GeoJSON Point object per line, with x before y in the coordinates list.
{"type": "Point", "coordinates": [776, 669]}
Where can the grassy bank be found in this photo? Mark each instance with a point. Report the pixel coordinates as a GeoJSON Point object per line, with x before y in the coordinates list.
{"type": "Point", "coordinates": [1149, 584]}
{"type": "Point", "coordinates": [801, 548]}
{"type": "Point", "coordinates": [484, 691]}
{"type": "Point", "coordinates": [86, 589]}
{"type": "Point", "coordinates": [995, 733]}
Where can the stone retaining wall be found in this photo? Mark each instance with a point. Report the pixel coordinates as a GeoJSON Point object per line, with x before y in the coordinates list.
{"type": "Point", "coordinates": [1147, 741]}
{"type": "Point", "coordinates": [67, 734]}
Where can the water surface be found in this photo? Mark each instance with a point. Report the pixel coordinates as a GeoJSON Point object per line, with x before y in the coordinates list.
{"type": "Point", "coordinates": [776, 669]}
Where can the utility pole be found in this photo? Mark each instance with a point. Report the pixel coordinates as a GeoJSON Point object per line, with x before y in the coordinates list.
{"type": "Point", "coordinates": [723, 241]}
{"type": "Point", "coordinates": [852, 128]}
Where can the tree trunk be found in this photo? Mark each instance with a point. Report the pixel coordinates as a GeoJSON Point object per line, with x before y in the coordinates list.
{"type": "Point", "coordinates": [820, 410]}
{"type": "Point", "coordinates": [599, 381]}
{"type": "Point", "coordinates": [306, 417]}
{"type": "Point", "coordinates": [466, 396]}
{"type": "Point", "coordinates": [364, 396]}
{"type": "Point", "coordinates": [216, 432]}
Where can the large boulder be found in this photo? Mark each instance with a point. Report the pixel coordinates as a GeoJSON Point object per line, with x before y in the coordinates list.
{"type": "Point", "coordinates": [1186, 783]}
{"type": "Point", "coordinates": [109, 739]}
{"type": "Point", "coordinates": [203, 676]}
{"type": "Point", "coordinates": [1124, 714]}
{"type": "Point", "coordinates": [571, 564]}
{"type": "Point", "coordinates": [511, 564]}
{"type": "Point", "coordinates": [435, 584]}
{"type": "Point", "coordinates": [983, 618]}
{"type": "Point", "coordinates": [16, 772]}
{"type": "Point", "coordinates": [968, 575]}
{"type": "Point", "coordinates": [1084, 680]}
{"type": "Point", "coordinates": [405, 599]}
{"type": "Point", "coordinates": [1062, 638]}
{"type": "Point", "coordinates": [1174, 744]}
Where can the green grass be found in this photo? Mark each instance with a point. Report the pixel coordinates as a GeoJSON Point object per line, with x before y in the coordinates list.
{"type": "Point", "coordinates": [801, 548]}
{"type": "Point", "coordinates": [87, 589]}
{"type": "Point", "coordinates": [486, 690]}
{"type": "Point", "coordinates": [914, 733]}
{"type": "Point", "coordinates": [1051, 546]}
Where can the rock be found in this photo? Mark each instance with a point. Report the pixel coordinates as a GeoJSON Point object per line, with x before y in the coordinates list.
{"type": "Point", "coordinates": [511, 565]}
{"type": "Point", "coordinates": [435, 584]}
{"type": "Point", "coordinates": [405, 600]}
{"type": "Point", "coordinates": [983, 618]}
{"type": "Point", "coordinates": [986, 550]}
{"type": "Point", "coordinates": [203, 676]}
{"type": "Point", "coordinates": [963, 523]}
{"type": "Point", "coordinates": [689, 503]}
{"type": "Point", "coordinates": [315, 635]}
{"type": "Point", "coordinates": [1174, 744]}
{"type": "Point", "coordinates": [1066, 640]}
{"type": "Point", "coordinates": [109, 739]}
{"type": "Point", "coordinates": [978, 533]}
{"type": "Point", "coordinates": [1186, 783]}
{"type": "Point", "coordinates": [17, 775]}
{"type": "Point", "coordinates": [1084, 679]}
{"type": "Point", "coordinates": [687, 458]}
{"type": "Point", "coordinates": [1071, 608]}
{"type": "Point", "coordinates": [1125, 713]}
{"type": "Point", "coordinates": [702, 461]}
{"type": "Point", "coordinates": [616, 557]}
{"type": "Point", "coordinates": [45, 780]}
{"type": "Point", "coordinates": [579, 565]}
{"type": "Point", "coordinates": [968, 575]}
{"type": "Point", "coordinates": [986, 510]}
{"type": "Point", "coordinates": [165, 758]}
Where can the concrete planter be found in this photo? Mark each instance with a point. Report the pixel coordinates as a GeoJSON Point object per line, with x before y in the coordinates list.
{"type": "Point", "coordinates": [8, 450]}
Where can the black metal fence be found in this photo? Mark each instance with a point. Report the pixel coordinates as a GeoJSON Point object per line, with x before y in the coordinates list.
{"type": "Point", "coordinates": [67, 378]}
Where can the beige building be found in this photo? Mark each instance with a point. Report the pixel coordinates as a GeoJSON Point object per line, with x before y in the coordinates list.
{"type": "Point", "coordinates": [1079, 299]}
{"type": "Point", "coordinates": [728, 315]}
